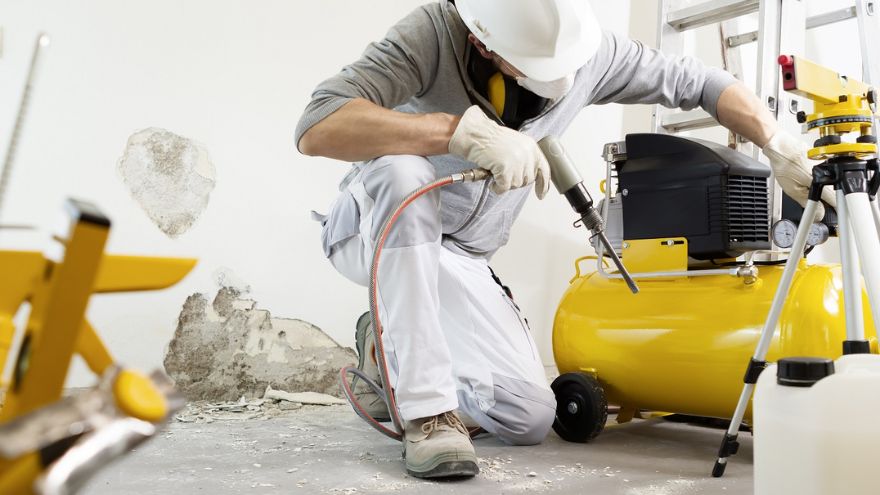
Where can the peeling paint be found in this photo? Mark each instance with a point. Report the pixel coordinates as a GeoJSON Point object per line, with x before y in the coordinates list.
{"type": "Point", "coordinates": [170, 176]}
{"type": "Point", "coordinates": [230, 348]}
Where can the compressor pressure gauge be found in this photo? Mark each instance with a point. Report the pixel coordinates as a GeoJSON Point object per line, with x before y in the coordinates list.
{"type": "Point", "coordinates": [819, 234]}
{"type": "Point", "coordinates": [784, 232]}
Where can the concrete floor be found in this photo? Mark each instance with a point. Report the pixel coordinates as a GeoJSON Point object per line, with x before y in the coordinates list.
{"type": "Point", "coordinates": [329, 450]}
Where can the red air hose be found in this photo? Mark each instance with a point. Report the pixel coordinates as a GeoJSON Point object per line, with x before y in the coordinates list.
{"type": "Point", "coordinates": [384, 389]}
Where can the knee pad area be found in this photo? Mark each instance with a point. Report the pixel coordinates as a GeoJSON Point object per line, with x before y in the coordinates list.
{"type": "Point", "coordinates": [521, 420]}
{"type": "Point", "coordinates": [388, 181]}
{"type": "Point", "coordinates": [394, 177]}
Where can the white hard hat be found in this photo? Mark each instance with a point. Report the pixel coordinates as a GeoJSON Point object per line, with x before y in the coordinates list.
{"type": "Point", "coordinates": [544, 39]}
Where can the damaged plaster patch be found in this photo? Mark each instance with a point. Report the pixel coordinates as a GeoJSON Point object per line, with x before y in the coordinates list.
{"type": "Point", "coordinates": [170, 176]}
{"type": "Point", "coordinates": [225, 277]}
{"type": "Point", "coordinates": [230, 349]}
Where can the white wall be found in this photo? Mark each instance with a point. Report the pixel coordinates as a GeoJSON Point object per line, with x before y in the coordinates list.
{"type": "Point", "coordinates": [234, 76]}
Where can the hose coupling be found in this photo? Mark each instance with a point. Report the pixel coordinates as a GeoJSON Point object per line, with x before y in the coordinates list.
{"type": "Point", "coordinates": [472, 175]}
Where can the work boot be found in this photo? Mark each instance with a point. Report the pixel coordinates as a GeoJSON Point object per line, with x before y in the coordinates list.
{"type": "Point", "coordinates": [439, 447]}
{"type": "Point", "coordinates": [365, 340]}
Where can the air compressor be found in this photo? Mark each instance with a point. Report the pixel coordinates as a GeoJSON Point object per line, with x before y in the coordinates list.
{"type": "Point", "coordinates": [691, 221]}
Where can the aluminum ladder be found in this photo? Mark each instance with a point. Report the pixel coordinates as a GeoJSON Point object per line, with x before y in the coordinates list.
{"type": "Point", "coordinates": [782, 28]}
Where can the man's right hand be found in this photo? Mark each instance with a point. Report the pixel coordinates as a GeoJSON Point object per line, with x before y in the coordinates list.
{"type": "Point", "coordinates": [514, 159]}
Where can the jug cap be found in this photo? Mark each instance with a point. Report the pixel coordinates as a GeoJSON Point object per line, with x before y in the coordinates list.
{"type": "Point", "coordinates": [803, 371]}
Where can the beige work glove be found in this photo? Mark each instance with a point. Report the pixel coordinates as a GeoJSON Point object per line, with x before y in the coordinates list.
{"type": "Point", "coordinates": [514, 159]}
{"type": "Point", "coordinates": [793, 170]}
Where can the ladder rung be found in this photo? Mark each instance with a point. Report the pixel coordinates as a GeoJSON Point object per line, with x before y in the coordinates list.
{"type": "Point", "coordinates": [816, 21]}
{"type": "Point", "coordinates": [832, 17]}
{"type": "Point", "coordinates": [742, 39]}
{"type": "Point", "coordinates": [687, 121]}
{"type": "Point", "coordinates": [710, 12]}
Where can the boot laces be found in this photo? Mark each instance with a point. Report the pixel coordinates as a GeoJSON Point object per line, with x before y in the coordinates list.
{"type": "Point", "coordinates": [447, 419]}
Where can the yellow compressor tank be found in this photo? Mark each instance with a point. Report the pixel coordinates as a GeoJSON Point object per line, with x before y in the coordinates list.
{"type": "Point", "coordinates": [682, 344]}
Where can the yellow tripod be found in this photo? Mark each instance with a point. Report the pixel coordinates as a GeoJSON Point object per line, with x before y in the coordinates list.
{"type": "Point", "coordinates": [842, 106]}
{"type": "Point", "coordinates": [49, 444]}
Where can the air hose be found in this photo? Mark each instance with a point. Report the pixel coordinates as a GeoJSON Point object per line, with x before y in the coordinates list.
{"type": "Point", "coordinates": [568, 182]}
{"type": "Point", "coordinates": [383, 389]}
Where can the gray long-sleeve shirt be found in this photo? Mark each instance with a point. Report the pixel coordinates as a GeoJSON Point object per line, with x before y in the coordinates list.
{"type": "Point", "coordinates": [421, 67]}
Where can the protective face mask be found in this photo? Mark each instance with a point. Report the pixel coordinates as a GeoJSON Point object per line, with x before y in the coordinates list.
{"type": "Point", "coordinates": [552, 90]}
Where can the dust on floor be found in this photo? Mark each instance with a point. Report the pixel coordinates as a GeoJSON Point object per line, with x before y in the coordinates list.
{"type": "Point", "coordinates": [263, 449]}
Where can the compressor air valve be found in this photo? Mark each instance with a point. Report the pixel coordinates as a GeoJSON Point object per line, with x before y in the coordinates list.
{"type": "Point", "coordinates": [569, 183]}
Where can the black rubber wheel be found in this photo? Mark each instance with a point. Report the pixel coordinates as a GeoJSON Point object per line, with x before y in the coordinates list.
{"type": "Point", "coordinates": [581, 407]}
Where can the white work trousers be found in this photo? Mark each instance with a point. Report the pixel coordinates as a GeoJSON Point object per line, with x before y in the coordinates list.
{"type": "Point", "coordinates": [453, 338]}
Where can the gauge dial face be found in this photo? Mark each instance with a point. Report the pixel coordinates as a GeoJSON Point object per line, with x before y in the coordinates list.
{"type": "Point", "coordinates": [818, 234]}
{"type": "Point", "coordinates": [784, 232]}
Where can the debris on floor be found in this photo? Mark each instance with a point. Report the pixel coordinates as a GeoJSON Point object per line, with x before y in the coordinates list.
{"type": "Point", "coordinates": [273, 404]}
{"type": "Point", "coordinates": [230, 349]}
{"type": "Point", "coordinates": [329, 450]}
{"type": "Point", "coordinates": [240, 410]}
{"type": "Point", "coordinates": [208, 412]}
{"type": "Point", "coordinates": [504, 470]}
{"type": "Point", "coordinates": [312, 398]}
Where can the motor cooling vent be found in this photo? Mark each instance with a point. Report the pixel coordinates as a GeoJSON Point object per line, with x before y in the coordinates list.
{"type": "Point", "coordinates": [747, 201]}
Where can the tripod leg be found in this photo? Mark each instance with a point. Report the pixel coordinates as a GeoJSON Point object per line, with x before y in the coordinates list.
{"type": "Point", "coordinates": [875, 208]}
{"type": "Point", "coordinates": [855, 342]}
{"type": "Point", "coordinates": [729, 445]}
{"type": "Point", "coordinates": [868, 243]}
{"type": "Point", "coordinates": [874, 189]}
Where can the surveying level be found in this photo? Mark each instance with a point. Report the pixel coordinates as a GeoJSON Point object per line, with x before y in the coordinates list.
{"type": "Point", "coordinates": [841, 106]}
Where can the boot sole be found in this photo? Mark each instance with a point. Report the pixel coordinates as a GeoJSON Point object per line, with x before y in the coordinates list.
{"type": "Point", "coordinates": [450, 465]}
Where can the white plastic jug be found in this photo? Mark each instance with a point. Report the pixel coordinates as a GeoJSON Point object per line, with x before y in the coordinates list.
{"type": "Point", "coordinates": [817, 427]}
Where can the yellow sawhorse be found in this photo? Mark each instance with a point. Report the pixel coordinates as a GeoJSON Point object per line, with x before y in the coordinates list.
{"type": "Point", "coordinates": [34, 435]}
